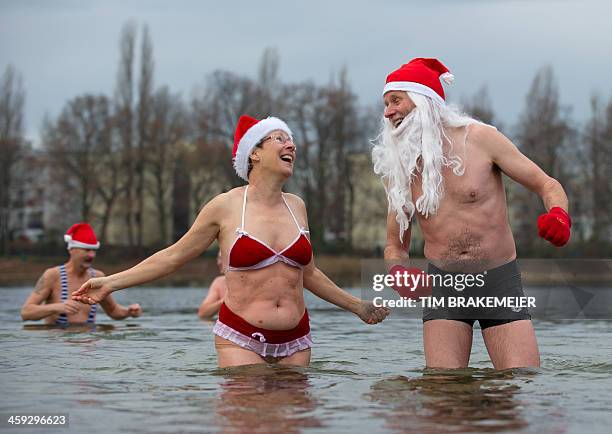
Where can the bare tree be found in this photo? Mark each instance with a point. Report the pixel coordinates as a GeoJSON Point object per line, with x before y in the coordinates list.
{"type": "Point", "coordinates": [124, 98]}
{"type": "Point", "coordinates": [109, 183]}
{"type": "Point", "coordinates": [480, 107]}
{"type": "Point", "coordinates": [207, 158]}
{"type": "Point", "coordinates": [145, 89]}
{"type": "Point", "coordinates": [346, 135]}
{"type": "Point", "coordinates": [607, 171]}
{"type": "Point", "coordinates": [299, 101]}
{"type": "Point", "coordinates": [544, 134]}
{"type": "Point", "coordinates": [167, 131]}
{"type": "Point", "coordinates": [225, 98]}
{"type": "Point", "coordinates": [268, 86]}
{"type": "Point", "coordinates": [12, 100]}
{"type": "Point", "coordinates": [598, 136]}
{"type": "Point", "coordinates": [181, 194]}
{"type": "Point", "coordinates": [307, 110]}
{"type": "Point", "coordinates": [328, 131]}
{"type": "Point", "coordinates": [74, 143]}
{"type": "Point", "coordinates": [323, 129]}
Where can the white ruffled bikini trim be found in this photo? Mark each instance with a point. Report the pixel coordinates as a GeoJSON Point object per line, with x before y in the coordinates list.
{"type": "Point", "coordinates": [264, 349]}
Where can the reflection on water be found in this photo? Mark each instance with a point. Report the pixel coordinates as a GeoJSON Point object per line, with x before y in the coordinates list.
{"type": "Point", "coordinates": [461, 400]}
{"type": "Point", "coordinates": [71, 328]}
{"type": "Point", "coordinates": [265, 398]}
{"type": "Point", "coordinates": [158, 374]}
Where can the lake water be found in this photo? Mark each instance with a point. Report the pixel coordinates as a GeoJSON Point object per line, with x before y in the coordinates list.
{"type": "Point", "coordinates": [158, 374]}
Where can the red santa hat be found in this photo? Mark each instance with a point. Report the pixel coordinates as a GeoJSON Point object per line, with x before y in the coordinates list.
{"type": "Point", "coordinates": [249, 132]}
{"type": "Point", "coordinates": [82, 236]}
{"type": "Point", "coordinates": [421, 76]}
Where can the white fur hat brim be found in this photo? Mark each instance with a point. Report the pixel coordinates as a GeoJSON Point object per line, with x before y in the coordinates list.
{"type": "Point", "coordinates": [79, 245]}
{"type": "Point", "coordinates": [409, 86]}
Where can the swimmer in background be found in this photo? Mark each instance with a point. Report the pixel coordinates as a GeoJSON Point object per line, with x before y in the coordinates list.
{"type": "Point", "coordinates": [50, 299]}
{"type": "Point", "coordinates": [216, 293]}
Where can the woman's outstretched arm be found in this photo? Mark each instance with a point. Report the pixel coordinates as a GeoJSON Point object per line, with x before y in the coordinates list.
{"type": "Point", "coordinates": [202, 233]}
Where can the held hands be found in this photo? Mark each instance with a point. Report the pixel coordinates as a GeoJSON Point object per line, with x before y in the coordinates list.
{"type": "Point", "coordinates": [93, 291]}
{"type": "Point", "coordinates": [410, 282]}
{"type": "Point", "coordinates": [554, 226]}
{"type": "Point", "coordinates": [371, 314]}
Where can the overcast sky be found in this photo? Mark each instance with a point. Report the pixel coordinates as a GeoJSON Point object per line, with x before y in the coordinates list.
{"type": "Point", "coordinates": [64, 48]}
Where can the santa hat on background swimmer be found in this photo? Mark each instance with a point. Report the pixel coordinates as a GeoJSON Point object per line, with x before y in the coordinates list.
{"type": "Point", "coordinates": [249, 133]}
{"type": "Point", "coordinates": [420, 76]}
{"type": "Point", "coordinates": [82, 236]}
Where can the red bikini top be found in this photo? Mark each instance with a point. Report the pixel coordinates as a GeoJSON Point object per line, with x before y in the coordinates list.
{"type": "Point", "coordinates": [249, 253]}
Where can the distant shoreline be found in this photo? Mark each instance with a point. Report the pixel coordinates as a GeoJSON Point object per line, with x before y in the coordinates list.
{"type": "Point", "coordinates": [15, 271]}
{"type": "Point", "coordinates": [344, 270]}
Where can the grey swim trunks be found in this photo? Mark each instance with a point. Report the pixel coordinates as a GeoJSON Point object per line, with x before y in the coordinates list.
{"type": "Point", "coordinates": [494, 297]}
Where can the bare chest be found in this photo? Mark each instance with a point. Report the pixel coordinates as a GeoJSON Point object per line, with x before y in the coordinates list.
{"type": "Point", "coordinates": [63, 287]}
{"type": "Point", "coordinates": [480, 180]}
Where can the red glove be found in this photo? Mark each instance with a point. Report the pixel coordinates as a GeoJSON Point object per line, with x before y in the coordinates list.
{"type": "Point", "coordinates": [554, 226]}
{"type": "Point", "coordinates": [406, 279]}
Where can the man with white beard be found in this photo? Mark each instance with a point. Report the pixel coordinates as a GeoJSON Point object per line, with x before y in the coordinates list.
{"type": "Point", "coordinates": [445, 168]}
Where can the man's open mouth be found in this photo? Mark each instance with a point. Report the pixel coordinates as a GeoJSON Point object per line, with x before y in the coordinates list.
{"type": "Point", "coordinates": [288, 158]}
{"type": "Point", "coordinates": [397, 122]}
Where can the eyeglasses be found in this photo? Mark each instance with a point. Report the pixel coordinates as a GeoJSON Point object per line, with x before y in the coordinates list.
{"type": "Point", "coordinates": [281, 139]}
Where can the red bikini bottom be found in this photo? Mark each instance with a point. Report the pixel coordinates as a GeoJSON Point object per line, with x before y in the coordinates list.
{"type": "Point", "coordinates": [275, 343]}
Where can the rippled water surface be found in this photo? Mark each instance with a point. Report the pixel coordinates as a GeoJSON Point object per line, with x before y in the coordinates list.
{"type": "Point", "coordinates": [158, 374]}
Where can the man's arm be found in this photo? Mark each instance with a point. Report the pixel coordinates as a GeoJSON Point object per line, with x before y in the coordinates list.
{"type": "Point", "coordinates": [518, 167]}
{"type": "Point", "coordinates": [116, 310]}
{"type": "Point", "coordinates": [396, 249]}
{"type": "Point", "coordinates": [554, 226]}
{"type": "Point", "coordinates": [212, 302]}
{"type": "Point", "coordinates": [33, 309]}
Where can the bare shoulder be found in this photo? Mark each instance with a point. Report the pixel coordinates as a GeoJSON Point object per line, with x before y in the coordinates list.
{"type": "Point", "coordinates": [299, 208]}
{"type": "Point", "coordinates": [230, 197]}
{"type": "Point", "coordinates": [236, 191]}
{"type": "Point", "coordinates": [488, 138]}
{"type": "Point", "coordinates": [482, 133]}
{"type": "Point", "coordinates": [50, 275]}
{"type": "Point", "coordinates": [47, 281]}
{"type": "Point", "coordinates": [220, 203]}
{"type": "Point", "coordinates": [98, 273]}
{"type": "Point", "coordinates": [295, 201]}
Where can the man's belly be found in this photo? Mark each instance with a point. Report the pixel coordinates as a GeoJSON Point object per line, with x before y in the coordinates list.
{"type": "Point", "coordinates": [469, 247]}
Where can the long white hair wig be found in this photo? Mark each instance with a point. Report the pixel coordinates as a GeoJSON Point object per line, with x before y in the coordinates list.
{"type": "Point", "coordinates": [418, 141]}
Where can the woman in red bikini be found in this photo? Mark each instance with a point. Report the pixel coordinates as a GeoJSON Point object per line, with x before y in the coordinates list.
{"type": "Point", "coordinates": [263, 233]}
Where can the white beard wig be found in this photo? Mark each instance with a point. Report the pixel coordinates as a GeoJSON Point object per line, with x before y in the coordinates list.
{"type": "Point", "coordinates": [397, 151]}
